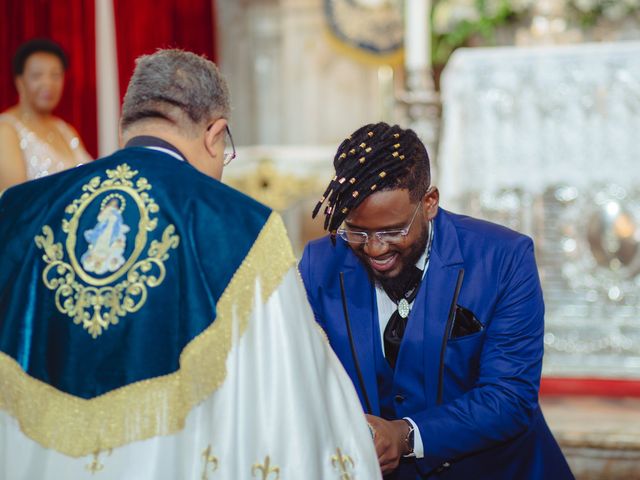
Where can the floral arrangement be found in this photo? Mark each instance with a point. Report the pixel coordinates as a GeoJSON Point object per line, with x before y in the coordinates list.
{"type": "Point", "coordinates": [455, 22]}
{"type": "Point", "coordinates": [480, 22]}
{"type": "Point", "coordinates": [588, 12]}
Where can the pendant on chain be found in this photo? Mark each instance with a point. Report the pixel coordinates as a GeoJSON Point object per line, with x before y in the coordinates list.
{"type": "Point", "coordinates": [403, 308]}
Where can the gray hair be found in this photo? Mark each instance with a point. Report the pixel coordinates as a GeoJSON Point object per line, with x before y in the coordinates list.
{"type": "Point", "coordinates": [176, 86]}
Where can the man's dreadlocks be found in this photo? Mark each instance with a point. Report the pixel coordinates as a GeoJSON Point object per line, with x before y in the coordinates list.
{"type": "Point", "coordinates": [375, 157]}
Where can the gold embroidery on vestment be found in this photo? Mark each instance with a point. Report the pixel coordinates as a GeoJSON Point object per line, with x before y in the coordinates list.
{"type": "Point", "coordinates": [209, 460]}
{"type": "Point", "coordinates": [342, 462]}
{"type": "Point", "coordinates": [266, 469]}
{"type": "Point", "coordinates": [78, 427]}
{"type": "Point", "coordinates": [92, 301]}
{"type": "Point", "coordinates": [95, 465]}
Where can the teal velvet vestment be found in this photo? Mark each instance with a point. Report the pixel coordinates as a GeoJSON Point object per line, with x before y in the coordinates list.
{"type": "Point", "coordinates": [150, 303]}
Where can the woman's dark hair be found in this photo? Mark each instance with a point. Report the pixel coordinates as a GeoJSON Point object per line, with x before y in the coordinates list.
{"type": "Point", "coordinates": [36, 45]}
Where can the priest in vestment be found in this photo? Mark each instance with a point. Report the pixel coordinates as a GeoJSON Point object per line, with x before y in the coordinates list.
{"type": "Point", "coordinates": [153, 324]}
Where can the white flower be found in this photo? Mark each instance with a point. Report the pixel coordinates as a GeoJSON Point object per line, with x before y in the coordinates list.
{"type": "Point", "coordinates": [371, 3]}
{"type": "Point", "coordinates": [491, 7]}
{"type": "Point", "coordinates": [522, 6]}
{"type": "Point", "coordinates": [615, 11]}
{"type": "Point", "coordinates": [447, 14]}
{"type": "Point", "coordinates": [586, 6]}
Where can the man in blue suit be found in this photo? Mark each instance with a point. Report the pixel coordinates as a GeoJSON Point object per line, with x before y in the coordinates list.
{"type": "Point", "coordinates": [438, 318]}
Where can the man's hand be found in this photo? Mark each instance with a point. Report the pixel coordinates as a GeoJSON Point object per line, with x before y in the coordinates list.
{"type": "Point", "coordinates": [389, 440]}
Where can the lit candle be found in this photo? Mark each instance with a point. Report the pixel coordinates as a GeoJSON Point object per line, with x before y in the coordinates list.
{"type": "Point", "coordinates": [417, 42]}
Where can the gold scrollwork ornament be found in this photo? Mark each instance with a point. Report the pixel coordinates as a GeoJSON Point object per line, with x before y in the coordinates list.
{"type": "Point", "coordinates": [96, 302]}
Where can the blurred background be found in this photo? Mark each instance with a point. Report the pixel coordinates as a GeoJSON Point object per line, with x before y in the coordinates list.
{"type": "Point", "coordinates": [530, 111]}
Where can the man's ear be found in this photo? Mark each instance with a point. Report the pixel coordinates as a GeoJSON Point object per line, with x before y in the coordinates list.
{"type": "Point", "coordinates": [431, 200]}
{"type": "Point", "coordinates": [214, 134]}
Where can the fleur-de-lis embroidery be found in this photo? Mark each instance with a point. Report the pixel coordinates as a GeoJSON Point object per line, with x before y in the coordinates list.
{"type": "Point", "coordinates": [341, 462]}
{"type": "Point", "coordinates": [266, 470]}
{"type": "Point", "coordinates": [95, 466]}
{"type": "Point", "coordinates": [208, 461]}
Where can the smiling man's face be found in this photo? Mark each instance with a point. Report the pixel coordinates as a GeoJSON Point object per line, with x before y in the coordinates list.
{"type": "Point", "coordinates": [392, 210]}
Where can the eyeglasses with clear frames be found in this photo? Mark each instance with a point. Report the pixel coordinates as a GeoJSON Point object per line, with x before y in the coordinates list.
{"type": "Point", "coordinates": [383, 236]}
{"type": "Point", "coordinates": [229, 155]}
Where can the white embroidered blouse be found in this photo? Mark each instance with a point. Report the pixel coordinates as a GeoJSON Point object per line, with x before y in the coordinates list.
{"type": "Point", "coordinates": [40, 158]}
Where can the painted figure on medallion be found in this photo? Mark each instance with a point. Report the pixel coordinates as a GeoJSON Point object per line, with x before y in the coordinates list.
{"type": "Point", "coordinates": [107, 240]}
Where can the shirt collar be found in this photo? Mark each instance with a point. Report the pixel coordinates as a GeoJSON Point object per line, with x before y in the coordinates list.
{"type": "Point", "coordinates": [155, 143]}
{"type": "Point", "coordinates": [423, 261]}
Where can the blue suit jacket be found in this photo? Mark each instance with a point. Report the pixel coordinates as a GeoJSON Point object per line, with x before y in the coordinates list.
{"type": "Point", "coordinates": [489, 424]}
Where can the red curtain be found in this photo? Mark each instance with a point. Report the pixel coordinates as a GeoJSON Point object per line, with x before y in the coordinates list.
{"type": "Point", "coordinates": [71, 24]}
{"type": "Point", "coordinates": [143, 26]}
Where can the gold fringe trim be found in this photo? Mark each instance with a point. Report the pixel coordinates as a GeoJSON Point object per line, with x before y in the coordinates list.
{"type": "Point", "coordinates": [158, 406]}
{"type": "Point", "coordinates": [394, 59]}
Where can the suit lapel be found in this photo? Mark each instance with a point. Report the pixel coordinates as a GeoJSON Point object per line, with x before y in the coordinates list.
{"type": "Point", "coordinates": [361, 306]}
{"type": "Point", "coordinates": [426, 326]}
{"type": "Point", "coordinates": [441, 282]}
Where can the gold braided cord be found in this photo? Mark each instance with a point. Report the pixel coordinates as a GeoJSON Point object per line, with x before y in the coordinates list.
{"type": "Point", "coordinates": [158, 406]}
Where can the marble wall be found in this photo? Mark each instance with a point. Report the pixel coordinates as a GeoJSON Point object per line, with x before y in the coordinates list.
{"type": "Point", "coordinates": [289, 85]}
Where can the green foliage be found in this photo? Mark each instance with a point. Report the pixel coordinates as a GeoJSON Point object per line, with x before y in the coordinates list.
{"type": "Point", "coordinates": [457, 23]}
{"type": "Point", "coordinates": [479, 23]}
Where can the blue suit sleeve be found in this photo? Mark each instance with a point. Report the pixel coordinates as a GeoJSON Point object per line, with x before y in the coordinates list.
{"type": "Point", "coordinates": [505, 396]}
{"type": "Point", "coordinates": [305, 267]}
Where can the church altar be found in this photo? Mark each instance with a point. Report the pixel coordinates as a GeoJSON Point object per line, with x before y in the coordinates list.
{"type": "Point", "coordinates": [543, 140]}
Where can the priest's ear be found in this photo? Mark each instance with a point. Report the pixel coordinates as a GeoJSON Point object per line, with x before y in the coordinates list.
{"type": "Point", "coordinates": [214, 138]}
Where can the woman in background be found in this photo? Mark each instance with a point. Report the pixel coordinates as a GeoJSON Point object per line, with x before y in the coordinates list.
{"type": "Point", "coordinates": [34, 142]}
